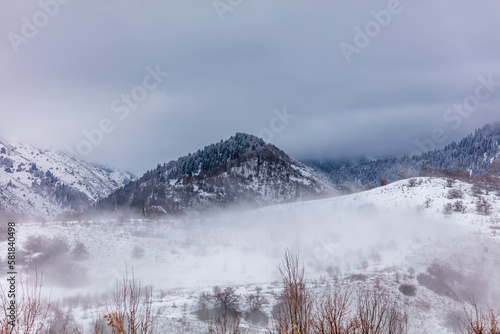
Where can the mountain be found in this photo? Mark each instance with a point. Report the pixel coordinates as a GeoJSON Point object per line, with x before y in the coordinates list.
{"type": "Point", "coordinates": [44, 183]}
{"type": "Point", "coordinates": [241, 170]}
{"type": "Point", "coordinates": [476, 154]}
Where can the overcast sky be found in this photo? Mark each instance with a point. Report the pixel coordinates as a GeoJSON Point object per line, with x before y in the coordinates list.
{"type": "Point", "coordinates": [319, 79]}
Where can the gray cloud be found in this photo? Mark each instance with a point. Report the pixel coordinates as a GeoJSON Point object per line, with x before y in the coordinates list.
{"type": "Point", "coordinates": [228, 76]}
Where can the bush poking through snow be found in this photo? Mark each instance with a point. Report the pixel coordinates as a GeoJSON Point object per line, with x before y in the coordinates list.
{"type": "Point", "coordinates": [412, 183]}
{"type": "Point", "coordinates": [458, 206]}
{"type": "Point", "coordinates": [408, 290]}
{"type": "Point", "coordinates": [483, 207]}
{"type": "Point", "coordinates": [79, 252]}
{"type": "Point", "coordinates": [448, 208]}
{"type": "Point", "coordinates": [455, 194]}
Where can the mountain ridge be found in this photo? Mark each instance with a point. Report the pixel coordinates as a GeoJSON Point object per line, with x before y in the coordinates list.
{"type": "Point", "coordinates": [241, 170]}
{"type": "Point", "coordinates": [45, 183]}
{"type": "Point", "coordinates": [478, 153]}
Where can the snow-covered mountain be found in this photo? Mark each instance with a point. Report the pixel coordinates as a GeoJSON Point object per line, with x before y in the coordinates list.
{"type": "Point", "coordinates": [241, 170]}
{"type": "Point", "coordinates": [476, 154]}
{"type": "Point", "coordinates": [44, 183]}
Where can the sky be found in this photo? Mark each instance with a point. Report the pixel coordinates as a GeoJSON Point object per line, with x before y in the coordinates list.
{"type": "Point", "coordinates": [134, 83]}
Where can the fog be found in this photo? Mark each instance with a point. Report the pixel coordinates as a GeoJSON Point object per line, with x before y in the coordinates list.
{"type": "Point", "coordinates": [246, 246]}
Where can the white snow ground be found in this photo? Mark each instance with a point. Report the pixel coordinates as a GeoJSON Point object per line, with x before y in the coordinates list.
{"type": "Point", "coordinates": [387, 235]}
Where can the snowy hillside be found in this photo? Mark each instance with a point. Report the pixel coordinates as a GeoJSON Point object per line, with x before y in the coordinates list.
{"type": "Point", "coordinates": [242, 170]}
{"type": "Point", "coordinates": [43, 183]}
{"type": "Point", "coordinates": [401, 235]}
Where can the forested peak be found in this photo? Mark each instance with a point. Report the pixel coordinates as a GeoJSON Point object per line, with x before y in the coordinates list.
{"type": "Point", "coordinates": [489, 133]}
{"type": "Point", "coordinates": [489, 130]}
{"type": "Point", "coordinates": [212, 155]}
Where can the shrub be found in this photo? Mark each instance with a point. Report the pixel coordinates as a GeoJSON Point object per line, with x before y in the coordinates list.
{"type": "Point", "coordinates": [483, 206]}
{"type": "Point", "coordinates": [448, 208]}
{"type": "Point", "coordinates": [382, 181]}
{"type": "Point", "coordinates": [428, 202]}
{"type": "Point", "coordinates": [459, 206]}
{"type": "Point", "coordinates": [441, 279]}
{"type": "Point", "coordinates": [79, 252]}
{"type": "Point", "coordinates": [408, 290]}
{"type": "Point", "coordinates": [455, 193]}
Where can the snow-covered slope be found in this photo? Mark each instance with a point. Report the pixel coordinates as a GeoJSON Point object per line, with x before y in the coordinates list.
{"type": "Point", "coordinates": [386, 237]}
{"type": "Point", "coordinates": [44, 183]}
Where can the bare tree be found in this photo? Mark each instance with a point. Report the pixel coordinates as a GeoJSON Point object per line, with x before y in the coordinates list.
{"type": "Point", "coordinates": [31, 311]}
{"type": "Point", "coordinates": [479, 321]}
{"type": "Point", "coordinates": [256, 300]}
{"type": "Point", "coordinates": [132, 311]}
{"type": "Point", "coordinates": [226, 300]}
{"type": "Point", "coordinates": [378, 313]}
{"type": "Point", "coordinates": [332, 315]}
{"type": "Point", "coordinates": [296, 303]}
